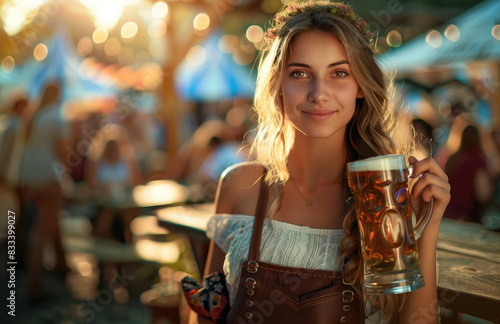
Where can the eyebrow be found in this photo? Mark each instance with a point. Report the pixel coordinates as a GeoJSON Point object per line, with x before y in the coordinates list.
{"type": "Point", "coordinates": [308, 67]}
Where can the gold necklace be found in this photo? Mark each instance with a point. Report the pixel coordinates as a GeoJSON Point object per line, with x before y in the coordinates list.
{"type": "Point", "coordinates": [310, 202]}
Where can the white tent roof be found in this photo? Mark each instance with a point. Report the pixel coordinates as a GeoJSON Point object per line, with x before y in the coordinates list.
{"type": "Point", "coordinates": [475, 42]}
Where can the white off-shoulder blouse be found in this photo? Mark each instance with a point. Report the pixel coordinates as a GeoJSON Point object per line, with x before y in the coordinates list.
{"type": "Point", "coordinates": [282, 243]}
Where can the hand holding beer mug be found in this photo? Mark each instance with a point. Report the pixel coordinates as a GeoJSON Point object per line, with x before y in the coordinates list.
{"type": "Point", "coordinates": [383, 208]}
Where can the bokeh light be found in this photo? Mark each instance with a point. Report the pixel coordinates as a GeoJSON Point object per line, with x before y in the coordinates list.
{"type": "Point", "coordinates": [495, 32]}
{"type": "Point", "coordinates": [196, 55]}
{"type": "Point", "coordinates": [13, 22]}
{"type": "Point", "coordinates": [201, 21]}
{"type": "Point", "coordinates": [112, 47]}
{"type": "Point", "coordinates": [106, 13]}
{"type": "Point", "coordinates": [157, 28]}
{"type": "Point", "coordinates": [434, 39]}
{"type": "Point", "coordinates": [8, 64]}
{"type": "Point", "coordinates": [100, 35]}
{"type": "Point", "coordinates": [85, 46]}
{"type": "Point", "coordinates": [394, 39]}
{"type": "Point", "coordinates": [129, 29]}
{"type": "Point", "coordinates": [40, 52]}
{"type": "Point", "coordinates": [228, 43]}
{"type": "Point", "coordinates": [255, 34]}
{"type": "Point", "coordinates": [84, 268]}
{"type": "Point", "coordinates": [452, 33]}
{"type": "Point", "coordinates": [160, 9]}
{"type": "Point", "coordinates": [16, 14]}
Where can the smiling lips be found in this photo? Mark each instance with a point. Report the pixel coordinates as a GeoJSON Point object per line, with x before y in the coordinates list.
{"type": "Point", "coordinates": [319, 115]}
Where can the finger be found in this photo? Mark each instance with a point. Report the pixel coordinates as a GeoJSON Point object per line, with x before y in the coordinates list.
{"type": "Point", "coordinates": [426, 180]}
{"type": "Point", "coordinates": [412, 160]}
{"type": "Point", "coordinates": [427, 165]}
{"type": "Point", "coordinates": [429, 179]}
{"type": "Point", "coordinates": [439, 194]}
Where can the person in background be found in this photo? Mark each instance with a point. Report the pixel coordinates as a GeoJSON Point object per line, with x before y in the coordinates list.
{"type": "Point", "coordinates": [423, 138]}
{"type": "Point", "coordinates": [112, 173]}
{"type": "Point", "coordinates": [40, 179]}
{"type": "Point", "coordinates": [491, 216]}
{"type": "Point", "coordinates": [12, 139]}
{"type": "Point", "coordinates": [11, 150]}
{"type": "Point", "coordinates": [200, 162]}
{"type": "Point", "coordinates": [470, 178]}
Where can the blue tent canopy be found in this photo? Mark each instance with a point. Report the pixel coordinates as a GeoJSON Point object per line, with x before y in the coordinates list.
{"type": "Point", "coordinates": [475, 42]}
{"type": "Point", "coordinates": [217, 78]}
{"type": "Point", "coordinates": [62, 63]}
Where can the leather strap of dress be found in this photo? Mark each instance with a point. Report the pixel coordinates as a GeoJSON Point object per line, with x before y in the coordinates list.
{"type": "Point", "coordinates": [259, 220]}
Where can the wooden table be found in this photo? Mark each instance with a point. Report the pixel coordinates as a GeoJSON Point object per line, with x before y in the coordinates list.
{"type": "Point", "coordinates": [468, 259]}
{"type": "Point", "coordinates": [190, 220]}
{"type": "Point", "coordinates": [152, 194]}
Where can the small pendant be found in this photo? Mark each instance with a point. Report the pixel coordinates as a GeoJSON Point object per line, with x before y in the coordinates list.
{"type": "Point", "coordinates": [309, 204]}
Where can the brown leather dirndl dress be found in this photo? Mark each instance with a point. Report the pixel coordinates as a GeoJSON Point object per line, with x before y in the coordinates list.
{"type": "Point", "coordinates": [269, 293]}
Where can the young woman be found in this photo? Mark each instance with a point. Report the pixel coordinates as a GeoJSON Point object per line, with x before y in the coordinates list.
{"type": "Point", "coordinates": [322, 101]}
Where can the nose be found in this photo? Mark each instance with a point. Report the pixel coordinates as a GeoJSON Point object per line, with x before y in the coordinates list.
{"type": "Point", "coordinates": [318, 92]}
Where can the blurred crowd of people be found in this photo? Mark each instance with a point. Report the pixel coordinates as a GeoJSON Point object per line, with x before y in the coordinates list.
{"type": "Point", "coordinates": [470, 156]}
{"type": "Point", "coordinates": [49, 161]}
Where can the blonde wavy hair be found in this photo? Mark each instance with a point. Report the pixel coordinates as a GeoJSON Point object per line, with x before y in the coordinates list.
{"type": "Point", "coordinates": [369, 133]}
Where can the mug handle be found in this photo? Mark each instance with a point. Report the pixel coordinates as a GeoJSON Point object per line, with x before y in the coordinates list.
{"type": "Point", "coordinates": [425, 213]}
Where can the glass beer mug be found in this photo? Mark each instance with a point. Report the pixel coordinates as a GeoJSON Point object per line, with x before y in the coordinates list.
{"type": "Point", "coordinates": [388, 239]}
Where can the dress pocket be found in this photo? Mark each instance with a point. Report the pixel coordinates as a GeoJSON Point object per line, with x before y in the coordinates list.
{"type": "Point", "coordinates": [301, 293]}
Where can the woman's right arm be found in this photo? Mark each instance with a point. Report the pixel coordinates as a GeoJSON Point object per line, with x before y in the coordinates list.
{"type": "Point", "coordinates": [215, 260]}
{"type": "Point", "coordinates": [236, 194]}
{"type": "Point", "coordinates": [214, 263]}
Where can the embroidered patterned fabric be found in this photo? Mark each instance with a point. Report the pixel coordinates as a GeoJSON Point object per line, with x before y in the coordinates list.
{"type": "Point", "coordinates": [211, 300]}
{"type": "Point", "coordinates": [282, 244]}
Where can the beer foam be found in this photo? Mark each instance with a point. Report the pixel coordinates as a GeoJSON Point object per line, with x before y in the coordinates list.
{"type": "Point", "coordinates": [378, 163]}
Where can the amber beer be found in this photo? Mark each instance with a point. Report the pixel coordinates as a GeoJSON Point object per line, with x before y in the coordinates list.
{"type": "Point", "coordinates": [383, 208]}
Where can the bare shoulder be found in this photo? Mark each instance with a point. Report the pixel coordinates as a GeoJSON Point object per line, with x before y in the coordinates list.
{"type": "Point", "coordinates": [244, 175]}
{"type": "Point", "coordinates": [239, 188]}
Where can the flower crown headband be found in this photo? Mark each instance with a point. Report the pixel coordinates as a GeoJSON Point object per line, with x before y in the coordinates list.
{"type": "Point", "coordinates": [340, 10]}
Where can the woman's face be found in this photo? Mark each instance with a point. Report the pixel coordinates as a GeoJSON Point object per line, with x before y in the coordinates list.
{"type": "Point", "coordinates": [319, 91]}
